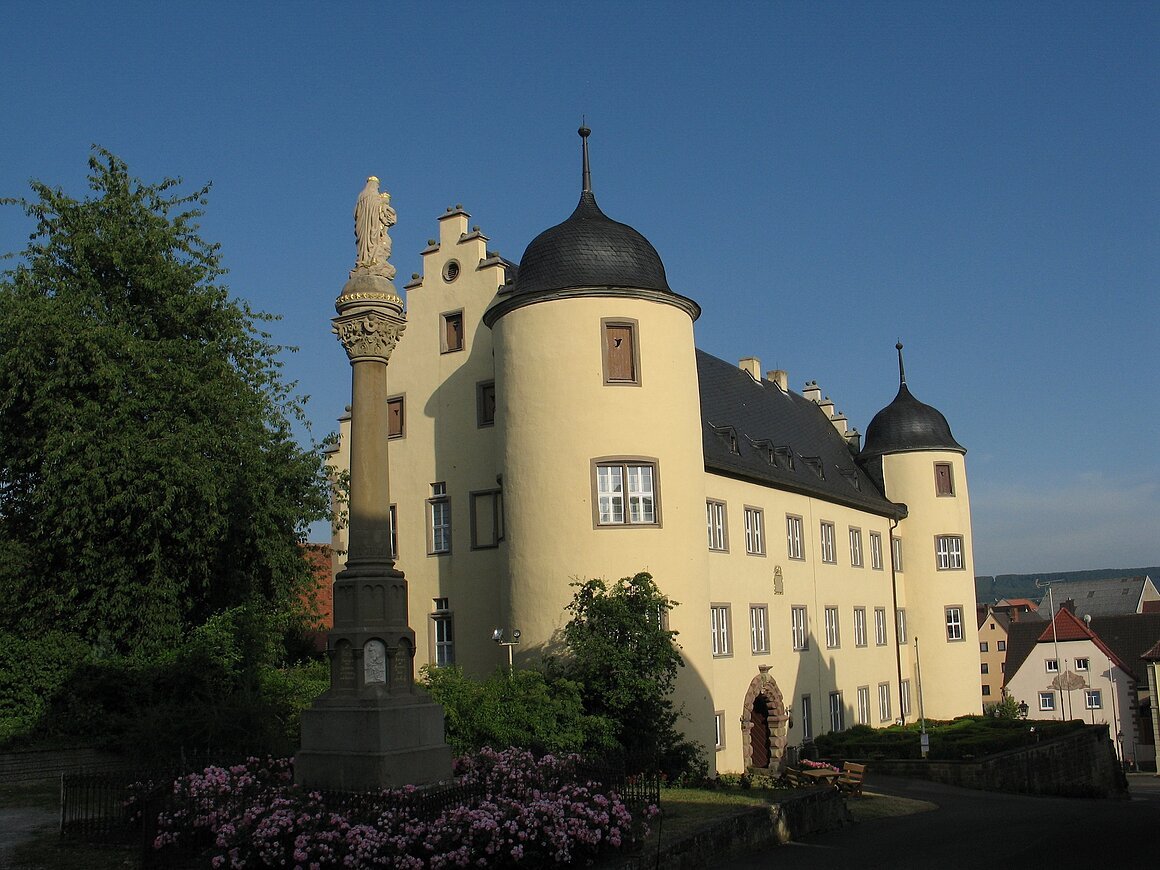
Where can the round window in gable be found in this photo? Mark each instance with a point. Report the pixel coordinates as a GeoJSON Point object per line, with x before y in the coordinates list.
{"type": "Point", "coordinates": [451, 271]}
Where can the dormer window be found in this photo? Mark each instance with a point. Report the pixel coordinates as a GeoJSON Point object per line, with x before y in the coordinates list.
{"type": "Point", "coordinates": [814, 463]}
{"type": "Point", "coordinates": [783, 457]}
{"type": "Point", "coordinates": [729, 435]}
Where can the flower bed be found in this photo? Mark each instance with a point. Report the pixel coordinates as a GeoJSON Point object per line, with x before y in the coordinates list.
{"type": "Point", "coordinates": [508, 809]}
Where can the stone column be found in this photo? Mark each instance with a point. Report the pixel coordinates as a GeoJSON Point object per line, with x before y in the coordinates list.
{"type": "Point", "coordinates": [372, 728]}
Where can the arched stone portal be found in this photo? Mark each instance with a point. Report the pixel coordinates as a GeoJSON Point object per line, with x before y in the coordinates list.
{"type": "Point", "coordinates": [764, 723]}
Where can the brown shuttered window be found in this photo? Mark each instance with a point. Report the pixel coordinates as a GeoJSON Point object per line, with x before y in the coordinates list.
{"type": "Point", "coordinates": [621, 352]}
{"type": "Point", "coordinates": [395, 417]}
{"type": "Point", "coordinates": [452, 332]}
{"type": "Point", "coordinates": [943, 482]}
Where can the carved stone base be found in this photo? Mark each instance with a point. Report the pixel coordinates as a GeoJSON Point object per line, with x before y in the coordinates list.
{"type": "Point", "coordinates": [364, 745]}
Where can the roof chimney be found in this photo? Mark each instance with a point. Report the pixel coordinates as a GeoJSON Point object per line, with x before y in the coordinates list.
{"type": "Point", "coordinates": [839, 421]}
{"type": "Point", "coordinates": [779, 377]}
{"type": "Point", "coordinates": [827, 406]}
{"type": "Point", "coordinates": [812, 391]}
{"type": "Point", "coordinates": [1069, 606]}
{"type": "Point", "coordinates": [854, 441]}
{"type": "Point", "coordinates": [752, 365]}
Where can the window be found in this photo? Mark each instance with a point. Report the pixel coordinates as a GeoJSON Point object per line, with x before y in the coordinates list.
{"type": "Point", "coordinates": [876, 551]}
{"type": "Point", "coordinates": [1093, 699]}
{"type": "Point", "coordinates": [615, 481]}
{"type": "Point", "coordinates": [793, 537]}
{"type": "Point", "coordinates": [439, 513]}
{"type": "Point", "coordinates": [719, 622]}
{"type": "Point", "coordinates": [715, 525]}
{"type": "Point", "coordinates": [859, 626]}
{"type": "Point", "coordinates": [833, 637]}
{"type": "Point", "coordinates": [442, 634]}
{"type": "Point", "coordinates": [904, 697]}
{"type": "Point", "coordinates": [1002, 667]}
{"type": "Point", "coordinates": [1081, 664]}
{"type": "Point", "coordinates": [486, 519]}
{"type": "Point", "coordinates": [855, 548]}
{"type": "Point", "coordinates": [451, 334]}
{"type": "Point", "coordinates": [896, 551]}
{"type": "Point", "coordinates": [864, 705]}
{"type": "Point", "coordinates": [944, 483]}
{"type": "Point", "coordinates": [396, 417]}
{"type": "Point", "coordinates": [982, 646]}
{"type": "Point", "coordinates": [758, 628]}
{"type": "Point", "coordinates": [880, 626]}
{"type": "Point", "coordinates": [1047, 701]}
{"type": "Point", "coordinates": [1001, 645]}
{"type": "Point", "coordinates": [799, 628]}
{"type": "Point", "coordinates": [807, 715]}
{"type": "Point", "coordinates": [621, 364]}
{"type": "Point", "coordinates": [754, 531]}
{"type": "Point", "coordinates": [901, 618]}
{"type": "Point", "coordinates": [1051, 666]}
{"type": "Point", "coordinates": [485, 404]}
{"type": "Point", "coordinates": [984, 668]}
{"type": "Point", "coordinates": [393, 522]}
{"type": "Point", "coordinates": [719, 722]}
{"type": "Point", "coordinates": [837, 714]}
{"type": "Point", "coordinates": [986, 689]}
{"type": "Point", "coordinates": [949, 552]}
{"type": "Point", "coordinates": [884, 714]}
{"type": "Point", "coordinates": [828, 554]}
{"type": "Point", "coordinates": [954, 623]}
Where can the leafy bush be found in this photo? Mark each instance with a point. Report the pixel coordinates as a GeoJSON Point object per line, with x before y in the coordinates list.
{"type": "Point", "coordinates": [32, 668]}
{"type": "Point", "coordinates": [967, 736]}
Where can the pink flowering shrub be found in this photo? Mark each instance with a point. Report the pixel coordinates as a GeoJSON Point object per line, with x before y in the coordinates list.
{"type": "Point", "coordinates": [818, 765]}
{"type": "Point", "coordinates": [526, 813]}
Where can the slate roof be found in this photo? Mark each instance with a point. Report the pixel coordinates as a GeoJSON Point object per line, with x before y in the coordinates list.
{"type": "Point", "coordinates": [1098, 597]}
{"type": "Point", "coordinates": [908, 424]}
{"type": "Point", "coordinates": [754, 431]}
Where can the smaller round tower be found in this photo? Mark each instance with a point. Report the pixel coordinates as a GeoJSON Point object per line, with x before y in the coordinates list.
{"type": "Point", "coordinates": [911, 453]}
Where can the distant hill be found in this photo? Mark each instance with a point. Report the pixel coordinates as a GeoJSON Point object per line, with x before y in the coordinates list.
{"type": "Point", "coordinates": [988, 590]}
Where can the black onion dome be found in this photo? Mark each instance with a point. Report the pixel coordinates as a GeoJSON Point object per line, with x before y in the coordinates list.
{"type": "Point", "coordinates": [908, 424]}
{"type": "Point", "coordinates": [589, 250]}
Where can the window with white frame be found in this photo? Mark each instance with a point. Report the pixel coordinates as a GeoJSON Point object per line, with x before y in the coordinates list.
{"type": "Point", "coordinates": [799, 628]}
{"type": "Point", "coordinates": [828, 553]}
{"type": "Point", "coordinates": [807, 717]}
{"type": "Point", "coordinates": [1046, 701]}
{"type": "Point", "coordinates": [626, 493]}
{"type": "Point", "coordinates": [904, 697]}
{"type": "Point", "coordinates": [859, 626]}
{"type": "Point", "coordinates": [954, 623]}
{"type": "Point", "coordinates": [833, 635]}
{"type": "Point", "coordinates": [896, 549]}
{"type": "Point", "coordinates": [715, 524]}
{"type": "Point", "coordinates": [754, 531]}
{"type": "Point", "coordinates": [759, 628]}
{"type": "Point", "coordinates": [442, 633]}
{"type": "Point", "coordinates": [855, 548]}
{"type": "Point", "coordinates": [793, 537]}
{"type": "Point", "coordinates": [949, 552]}
{"type": "Point", "coordinates": [900, 616]}
{"type": "Point", "coordinates": [876, 551]}
{"type": "Point", "coordinates": [439, 516]}
{"type": "Point", "coordinates": [1093, 699]}
{"type": "Point", "coordinates": [719, 622]}
{"type": "Point", "coordinates": [1051, 666]}
{"type": "Point", "coordinates": [837, 712]}
{"type": "Point", "coordinates": [864, 705]}
{"type": "Point", "coordinates": [1081, 664]}
{"type": "Point", "coordinates": [880, 626]}
{"type": "Point", "coordinates": [884, 714]}
{"type": "Point", "coordinates": [719, 721]}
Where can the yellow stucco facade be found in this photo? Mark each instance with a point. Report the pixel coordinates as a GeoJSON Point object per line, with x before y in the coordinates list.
{"type": "Point", "coordinates": [505, 438]}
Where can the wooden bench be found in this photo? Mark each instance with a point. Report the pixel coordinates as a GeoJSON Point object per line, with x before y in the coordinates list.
{"type": "Point", "coordinates": [794, 778]}
{"type": "Point", "coordinates": [850, 782]}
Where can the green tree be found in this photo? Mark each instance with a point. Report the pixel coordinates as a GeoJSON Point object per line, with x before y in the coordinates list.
{"type": "Point", "coordinates": [624, 657]}
{"type": "Point", "coordinates": [149, 477]}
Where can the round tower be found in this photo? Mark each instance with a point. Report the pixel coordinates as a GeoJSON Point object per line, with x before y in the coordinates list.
{"type": "Point", "coordinates": [598, 418]}
{"type": "Point", "coordinates": [912, 454]}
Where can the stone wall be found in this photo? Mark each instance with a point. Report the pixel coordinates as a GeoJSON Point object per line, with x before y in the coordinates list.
{"type": "Point", "coordinates": [1081, 764]}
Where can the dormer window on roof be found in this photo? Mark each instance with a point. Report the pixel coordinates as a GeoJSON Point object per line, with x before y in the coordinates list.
{"type": "Point", "coordinates": [814, 463]}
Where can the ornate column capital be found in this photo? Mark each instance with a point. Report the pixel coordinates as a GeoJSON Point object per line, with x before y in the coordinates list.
{"type": "Point", "coordinates": [369, 333]}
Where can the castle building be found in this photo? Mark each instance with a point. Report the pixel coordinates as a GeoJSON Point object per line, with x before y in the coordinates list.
{"type": "Point", "coordinates": [554, 421]}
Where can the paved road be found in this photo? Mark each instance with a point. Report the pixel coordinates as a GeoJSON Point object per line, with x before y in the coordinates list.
{"type": "Point", "coordinates": [972, 829]}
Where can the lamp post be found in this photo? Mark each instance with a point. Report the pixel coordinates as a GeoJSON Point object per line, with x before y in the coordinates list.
{"type": "Point", "coordinates": [497, 636]}
{"type": "Point", "coordinates": [924, 740]}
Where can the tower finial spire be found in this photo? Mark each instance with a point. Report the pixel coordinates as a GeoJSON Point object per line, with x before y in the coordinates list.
{"type": "Point", "coordinates": [584, 134]}
{"type": "Point", "coordinates": [901, 367]}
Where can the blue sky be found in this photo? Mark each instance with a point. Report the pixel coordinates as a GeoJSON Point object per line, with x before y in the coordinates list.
{"type": "Point", "coordinates": [977, 179]}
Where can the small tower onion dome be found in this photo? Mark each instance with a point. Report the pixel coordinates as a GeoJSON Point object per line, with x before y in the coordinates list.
{"type": "Point", "coordinates": [907, 424]}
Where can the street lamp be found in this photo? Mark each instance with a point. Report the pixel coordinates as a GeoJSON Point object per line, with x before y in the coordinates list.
{"type": "Point", "coordinates": [1023, 708]}
{"type": "Point", "coordinates": [497, 636]}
